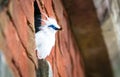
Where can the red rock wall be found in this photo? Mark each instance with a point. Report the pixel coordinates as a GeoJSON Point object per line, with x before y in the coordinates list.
{"type": "Point", "coordinates": [17, 39]}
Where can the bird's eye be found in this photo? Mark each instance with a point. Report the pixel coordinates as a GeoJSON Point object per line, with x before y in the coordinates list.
{"type": "Point", "coordinates": [53, 27]}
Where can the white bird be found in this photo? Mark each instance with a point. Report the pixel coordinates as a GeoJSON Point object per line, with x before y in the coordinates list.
{"type": "Point", "coordinates": [45, 38]}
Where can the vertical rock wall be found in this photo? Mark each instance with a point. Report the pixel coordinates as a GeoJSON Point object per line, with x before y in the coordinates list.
{"type": "Point", "coordinates": [87, 30]}
{"type": "Point", "coordinates": [111, 30]}
{"type": "Point", "coordinates": [17, 39]}
{"type": "Point", "coordinates": [17, 36]}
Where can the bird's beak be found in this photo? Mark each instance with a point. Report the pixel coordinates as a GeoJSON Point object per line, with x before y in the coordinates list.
{"type": "Point", "coordinates": [60, 29]}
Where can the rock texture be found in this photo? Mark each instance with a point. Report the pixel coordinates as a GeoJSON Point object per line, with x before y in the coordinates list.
{"type": "Point", "coordinates": [111, 31]}
{"type": "Point", "coordinates": [87, 30]}
{"type": "Point", "coordinates": [17, 36]}
{"type": "Point", "coordinates": [17, 39]}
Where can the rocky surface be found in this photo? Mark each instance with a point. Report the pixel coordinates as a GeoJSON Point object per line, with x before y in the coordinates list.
{"type": "Point", "coordinates": [88, 33]}
{"type": "Point", "coordinates": [111, 31]}
{"type": "Point", "coordinates": [17, 39]}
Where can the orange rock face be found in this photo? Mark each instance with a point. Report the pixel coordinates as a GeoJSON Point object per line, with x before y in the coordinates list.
{"type": "Point", "coordinates": [17, 39]}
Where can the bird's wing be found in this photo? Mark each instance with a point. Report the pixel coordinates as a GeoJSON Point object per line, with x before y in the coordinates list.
{"type": "Point", "coordinates": [39, 37]}
{"type": "Point", "coordinates": [44, 44]}
{"type": "Point", "coordinates": [44, 49]}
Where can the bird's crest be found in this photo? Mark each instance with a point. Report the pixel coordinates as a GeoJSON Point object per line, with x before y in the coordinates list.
{"type": "Point", "coordinates": [51, 22]}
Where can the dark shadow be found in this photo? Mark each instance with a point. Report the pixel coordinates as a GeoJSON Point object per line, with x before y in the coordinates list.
{"type": "Point", "coordinates": [3, 3]}
{"type": "Point", "coordinates": [37, 17]}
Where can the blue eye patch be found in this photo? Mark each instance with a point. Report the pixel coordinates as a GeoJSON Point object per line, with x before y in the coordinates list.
{"type": "Point", "coordinates": [53, 27]}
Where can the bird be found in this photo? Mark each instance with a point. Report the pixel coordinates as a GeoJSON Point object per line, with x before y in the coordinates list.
{"type": "Point", "coordinates": [45, 37]}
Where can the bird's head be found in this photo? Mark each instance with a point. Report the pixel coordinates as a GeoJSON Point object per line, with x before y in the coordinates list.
{"type": "Point", "coordinates": [51, 23]}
